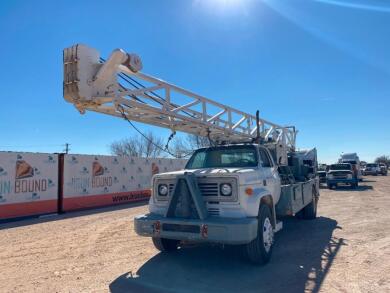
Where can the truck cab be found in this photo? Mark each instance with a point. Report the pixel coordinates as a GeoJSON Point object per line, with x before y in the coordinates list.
{"type": "Point", "coordinates": [341, 173]}
{"type": "Point", "coordinates": [230, 194]}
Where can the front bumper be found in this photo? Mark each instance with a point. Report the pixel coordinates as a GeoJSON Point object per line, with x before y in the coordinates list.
{"type": "Point", "coordinates": [345, 181]}
{"type": "Point", "coordinates": [219, 230]}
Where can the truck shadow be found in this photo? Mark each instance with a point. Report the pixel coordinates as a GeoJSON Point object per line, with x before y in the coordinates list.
{"type": "Point", "coordinates": [303, 253]}
{"type": "Point", "coordinates": [359, 188]}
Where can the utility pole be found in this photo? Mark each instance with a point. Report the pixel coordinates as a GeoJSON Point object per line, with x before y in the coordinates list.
{"type": "Point", "coordinates": [66, 148]}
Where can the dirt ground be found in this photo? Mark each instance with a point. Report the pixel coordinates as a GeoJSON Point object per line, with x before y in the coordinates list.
{"type": "Point", "coordinates": [346, 249]}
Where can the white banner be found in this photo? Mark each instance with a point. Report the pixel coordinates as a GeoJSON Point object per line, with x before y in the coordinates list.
{"type": "Point", "coordinates": [91, 181]}
{"type": "Point", "coordinates": [28, 184]}
{"type": "Point", "coordinates": [93, 175]}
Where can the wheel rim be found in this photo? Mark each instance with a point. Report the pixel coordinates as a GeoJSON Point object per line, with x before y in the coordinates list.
{"type": "Point", "coordinates": [268, 234]}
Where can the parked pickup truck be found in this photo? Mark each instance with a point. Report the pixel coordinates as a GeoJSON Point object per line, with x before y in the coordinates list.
{"type": "Point", "coordinates": [341, 173]}
{"type": "Point", "coordinates": [372, 169]}
{"type": "Point", "coordinates": [232, 194]}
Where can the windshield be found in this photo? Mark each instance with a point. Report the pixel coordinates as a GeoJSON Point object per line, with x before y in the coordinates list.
{"type": "Point", "coordinates": [371, 165]}
{"type": "Point", "coordinates": [340, 167]}
{"type": "Point", "coordinates": [224, 157]}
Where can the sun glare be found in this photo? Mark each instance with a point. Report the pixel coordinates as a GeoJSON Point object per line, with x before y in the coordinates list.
{"type": "Point", "coordinates": [238, 6]}
{"type": "Point", "coordinates": [226, 2]}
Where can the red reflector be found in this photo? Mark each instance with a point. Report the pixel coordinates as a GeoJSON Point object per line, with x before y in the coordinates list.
{"type": "Point", "coordinates": [204, 231]}
{"type": "Point", "coordinates": [157, 227]}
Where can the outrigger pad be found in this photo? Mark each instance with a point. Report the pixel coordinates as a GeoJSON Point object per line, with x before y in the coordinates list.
{"type": "Point", "coordinates": [186, 201]}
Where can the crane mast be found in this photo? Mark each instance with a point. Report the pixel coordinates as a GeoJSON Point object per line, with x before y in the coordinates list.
{"type": "Point", "coordinates": [117, 87]}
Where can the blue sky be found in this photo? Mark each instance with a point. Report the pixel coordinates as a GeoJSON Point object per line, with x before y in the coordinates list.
{"type": "Point", "coordinates": [321, 65]}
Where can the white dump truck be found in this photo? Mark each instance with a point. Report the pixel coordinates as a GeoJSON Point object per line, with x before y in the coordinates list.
{"type": "Point", "coordinates": [236, 191]}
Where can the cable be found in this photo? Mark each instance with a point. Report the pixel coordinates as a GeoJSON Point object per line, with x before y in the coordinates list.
{"type": "Point", "coordinates": [166, 150]}
{"type": "Point", "coordinates": [131, 81]}
{"type": "Point", "coordinates": [169, 139]}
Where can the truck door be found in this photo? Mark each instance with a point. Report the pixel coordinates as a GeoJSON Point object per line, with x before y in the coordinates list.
{"type": "Point", "coordinates": [270, 173]}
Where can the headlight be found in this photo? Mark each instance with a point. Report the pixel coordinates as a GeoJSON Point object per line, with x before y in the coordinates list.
{"type": "Point", "coordinates": [162, 189]}
{"type": "Point", "coordinates": [330, 176]}
{"type": "Point", "coordinates": [349, 176]}
{"type": "Point", "coordinates": [225, 189]}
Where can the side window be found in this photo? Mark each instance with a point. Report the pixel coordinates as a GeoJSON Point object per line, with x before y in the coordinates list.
{"type": "Point", "coordinates": [265, 160]}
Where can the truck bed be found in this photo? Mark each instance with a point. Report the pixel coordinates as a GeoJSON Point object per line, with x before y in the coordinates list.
{"type": "Point", "coordinates": [294, 197]}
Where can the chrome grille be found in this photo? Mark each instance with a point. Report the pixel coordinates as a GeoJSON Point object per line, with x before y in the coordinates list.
{"type": "Point", "coordinates": [209, 189]}
{"type": "Point", "coordinates": [208, 186]}
{"type": "Point", "coordinates": [206, 189]}
{"type": "Point", "coordinates": [171, 188]}
{"type": "Point", "coordinates": [340, 175]}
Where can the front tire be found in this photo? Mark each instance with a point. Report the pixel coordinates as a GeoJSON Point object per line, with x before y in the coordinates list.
{"type": "Point", "coordinates": [164, 244]}
{"type": "Point", "coordinates": [259, 250]}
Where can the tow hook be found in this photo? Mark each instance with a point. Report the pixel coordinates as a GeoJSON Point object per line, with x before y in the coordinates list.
{"type": "Point", "coordinates": [157, 227]}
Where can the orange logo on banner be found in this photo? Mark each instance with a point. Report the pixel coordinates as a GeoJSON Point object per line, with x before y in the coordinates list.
{"type": "Point", "coordinates": [23, 170]}
{"type": "Point", "coordinates": [97, 169]}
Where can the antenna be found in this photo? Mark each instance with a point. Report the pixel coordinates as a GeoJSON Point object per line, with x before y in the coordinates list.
{"type": "Point", "coordinates": [67, 149]}
{"type": "Point", "coordinates": [257, 140]}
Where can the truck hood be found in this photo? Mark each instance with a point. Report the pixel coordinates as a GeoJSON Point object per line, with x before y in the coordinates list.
{"type": "Point", "coordinates": [246, 175]}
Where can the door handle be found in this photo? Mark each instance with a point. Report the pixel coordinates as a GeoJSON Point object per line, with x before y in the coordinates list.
{"type": "Point", "coordinates": [264, 182]}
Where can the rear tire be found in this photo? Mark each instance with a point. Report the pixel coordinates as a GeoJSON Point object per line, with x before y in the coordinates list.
{"type": "Point", "coordinates": [309, 212]}
{"type": "Point", "coordinates": [164, 244]}
{"type": "Point", "coordinates": [259, 250]}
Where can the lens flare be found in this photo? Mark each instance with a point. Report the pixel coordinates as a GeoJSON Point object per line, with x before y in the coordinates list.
{"type": "Point", "coordinates": [354, 5]}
